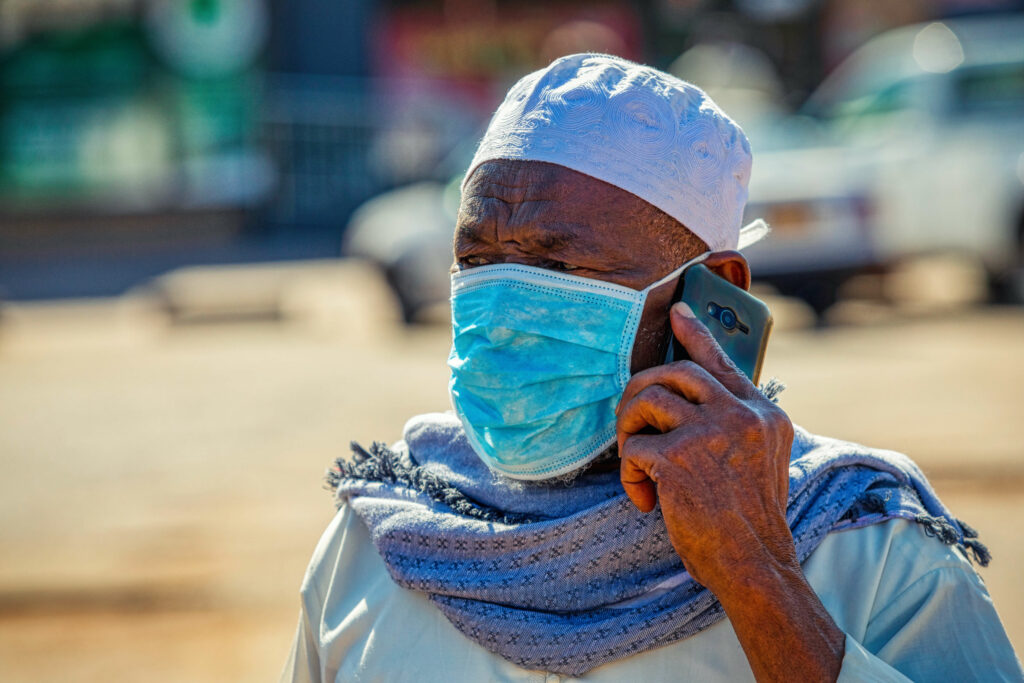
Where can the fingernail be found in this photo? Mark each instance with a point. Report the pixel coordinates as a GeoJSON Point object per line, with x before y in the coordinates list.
{"type": "Point", "coordinates": [681, 308]}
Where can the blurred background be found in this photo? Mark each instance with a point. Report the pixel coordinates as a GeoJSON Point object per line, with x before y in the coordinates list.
{"type": "Point", "coordinates": [225, 229]}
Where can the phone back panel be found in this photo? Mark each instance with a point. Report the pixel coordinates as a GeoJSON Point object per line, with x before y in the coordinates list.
{"type": "Point", "coordinates": [739, 321]}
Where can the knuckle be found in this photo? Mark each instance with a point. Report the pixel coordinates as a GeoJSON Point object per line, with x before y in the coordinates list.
{"type": "Point", "coordinates": [774, 417]}
{"type": "Point", "coordinates": [701, 330]}
{"type": "Point", "coordinates": [643, 377]}
{"type": "Point", "coordinates": [781, 420]}
{"type": "Point", "coordinates": [649, 403]}
{"type": "Point", "coordinates": [657, 394]}
{"type": "Point", "coordinates": [657, 471]}
{"type": "Point", "coordinates": [669, 458]}
{"type": "Point", "coordinates": [691, 370]}
{"type": "Point", "coordinates": [627, 452]}
{"type": "Point", "coordinates": [725, 364]}
{"type": "Point", "coordinates": [781, 425]}
{"type": "Point", "coordinates": [686, 366]}
{"type": "Point", "coordinates": [753, 427]}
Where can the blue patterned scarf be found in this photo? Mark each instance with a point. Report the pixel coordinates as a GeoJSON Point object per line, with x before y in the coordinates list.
{"type": "Point", "coordinates": [566, 577]}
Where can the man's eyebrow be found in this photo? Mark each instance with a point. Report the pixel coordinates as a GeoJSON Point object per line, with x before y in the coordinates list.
{"type": "Point", "coordinates": [468, 232]}
{"type": "Point", "coordinates": [557, 235]}
{"type": "Point", "coordinates": [554, 236]}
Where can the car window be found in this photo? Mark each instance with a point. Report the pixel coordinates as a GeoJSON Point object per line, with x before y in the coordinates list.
{"type": "Point", "coordinates": [994, 88]}
{"type": "Point", "coordinates": [892, 98]}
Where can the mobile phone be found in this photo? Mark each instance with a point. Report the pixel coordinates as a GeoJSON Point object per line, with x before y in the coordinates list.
{"type": "Point", "coordinates": [739, 321]}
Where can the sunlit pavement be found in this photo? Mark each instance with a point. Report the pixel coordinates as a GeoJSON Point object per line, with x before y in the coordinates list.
{"type": "Point", "coordinates": [162, 461]}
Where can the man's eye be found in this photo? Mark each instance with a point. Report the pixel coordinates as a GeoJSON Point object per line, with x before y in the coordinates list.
{"type": "Point", "coordinates": [473, 261]}
{"type": "Point", "coordinates": [565, 267]}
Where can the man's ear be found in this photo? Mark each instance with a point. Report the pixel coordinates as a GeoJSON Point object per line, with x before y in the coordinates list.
{"type": "Point", "coordinates": [730, 265]}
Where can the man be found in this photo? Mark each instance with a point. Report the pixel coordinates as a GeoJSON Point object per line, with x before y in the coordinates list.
{"type": "Point", "coordinates": [591, 511]}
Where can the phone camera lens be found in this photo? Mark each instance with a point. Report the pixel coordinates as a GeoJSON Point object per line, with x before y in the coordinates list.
{"type": "Point", "coordinates": [713, 310]}
{"type": "Point", "coordinates": [728, 318]}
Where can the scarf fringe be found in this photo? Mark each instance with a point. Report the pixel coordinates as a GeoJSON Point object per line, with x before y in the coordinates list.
{"type": "Point", "coordinates": [772, 388]}
{"type": "Point", "coordinates": [941, 529]}
{"type": "Point", "coordinates": [978, 549]}
{"type": "Point", "coordinates": [938, 527]}
{"type": "Point", "coordinates": [382, 465]}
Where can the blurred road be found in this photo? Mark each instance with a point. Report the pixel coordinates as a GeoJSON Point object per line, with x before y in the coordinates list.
{"type": "Point", "coordinates": [161, 491]}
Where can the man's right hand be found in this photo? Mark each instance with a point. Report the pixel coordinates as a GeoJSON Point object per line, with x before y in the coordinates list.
{"type": "Point", "coordinates": [719, 466]}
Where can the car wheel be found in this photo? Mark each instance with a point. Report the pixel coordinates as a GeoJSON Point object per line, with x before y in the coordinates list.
{"type": "Point", "coordinates": [818, 292]}
{"type": "Point", "coordinates": [407, 302]}
{"type": "Point", "coordinates": [1007, 286]}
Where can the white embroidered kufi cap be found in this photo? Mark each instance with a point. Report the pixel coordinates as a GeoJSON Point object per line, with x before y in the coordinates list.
{"type": "Point", "coordinates": [637, 128]}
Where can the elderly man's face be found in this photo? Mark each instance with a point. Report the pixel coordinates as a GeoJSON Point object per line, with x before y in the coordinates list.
{"type": "Point", "coordinates": [552, 217]}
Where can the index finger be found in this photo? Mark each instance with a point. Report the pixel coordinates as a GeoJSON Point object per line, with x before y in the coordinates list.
{"type": "Point", "coordinates": [684, 377]}
{"type": "Point", "coordinates": [704, 350]}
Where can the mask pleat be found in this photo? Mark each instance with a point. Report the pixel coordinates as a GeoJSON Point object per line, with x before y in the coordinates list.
{"type": "Point", "coordinates": [515, 445]}
{"type": "Point", "coordinates": [499, 410]}
{"type": "Point", "coordinates": [528, 361]}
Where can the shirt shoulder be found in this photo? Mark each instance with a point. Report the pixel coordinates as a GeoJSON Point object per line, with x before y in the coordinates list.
{"type": "Point", "coordinates": [368, 627]}
{"type": "Point", "coordinates": [912, 601]}
{"type": "Point", "coordinates": [858, 572]}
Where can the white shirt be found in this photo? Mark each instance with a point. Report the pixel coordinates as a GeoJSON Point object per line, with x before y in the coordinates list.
{"type": "Point", "coordinates": [911, 607]}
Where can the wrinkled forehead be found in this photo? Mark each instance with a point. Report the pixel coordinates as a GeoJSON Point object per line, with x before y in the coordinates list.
{"type": "Point", "coordinates": [545, 212]}
{"type": "Point", "coordinates": [514, 191]}
{"type": "Point", "coordinates": [517, 176]}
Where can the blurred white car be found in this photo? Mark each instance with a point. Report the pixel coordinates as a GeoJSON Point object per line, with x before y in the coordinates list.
{"type": "Point", "coordinates": [408, 233]}
{"type": "Point", "coordinates": [915, 144]}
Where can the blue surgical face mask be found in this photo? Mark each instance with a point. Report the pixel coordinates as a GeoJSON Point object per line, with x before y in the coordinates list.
{"type": "Point", "coordinates": [539, 361]}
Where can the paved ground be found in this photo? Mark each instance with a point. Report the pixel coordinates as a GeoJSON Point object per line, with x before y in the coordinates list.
{"type": "Point", "coordinates": [161, 489]}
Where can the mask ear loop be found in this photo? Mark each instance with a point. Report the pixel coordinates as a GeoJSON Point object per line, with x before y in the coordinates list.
{"type": "Point", "coordinates": [677, 272]}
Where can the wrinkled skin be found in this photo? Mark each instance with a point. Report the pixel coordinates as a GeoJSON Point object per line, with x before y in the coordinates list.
{"type": "Point", "coordinates": [695, 436]}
